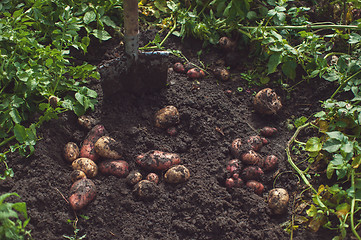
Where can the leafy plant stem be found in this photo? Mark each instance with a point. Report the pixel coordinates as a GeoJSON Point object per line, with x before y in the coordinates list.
{"type": "Point", "coordinates": [303, 27]}
{"type": "Point", "coordinates": [343, 83]}
{"type": "Point", "coordinates": [6, 140]}
{"type": "Point", "coordinates": [353, 202]}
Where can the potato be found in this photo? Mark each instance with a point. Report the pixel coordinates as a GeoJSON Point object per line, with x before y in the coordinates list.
{"type": "Point", "coordinates": [71, 151]}
{"type": "Point", "coordinates": [77, 175]}
{"type": "Point", "coordinates": [222, 74]}
{"type": "Point", "coordinates": [252, 173]}
{"type": "Point", "coordinates": [87, 148]}
{"type": "Point", "coordinates": [134, 177]}
{"type": "Point", "coordinates": [227, 44]}
{"type": "Point", "coordinates": [107, 147]}
{"type": "Point", "coordinates": [177, 174]}
{"type": "Point", "coordinates": [53, 101]}
{"type": "Point", "coordinates": [87, 166]}
{"type": "Point", "coordinates": [233, 166]}
{"type": "Point", "coordinates": [237, 148]}
{"type": "Point", "coordinates": [146, 190]}
{"type": "Point", "coordinates": [82, 192]}
{"type": "Point", "coordinates": [155, 160]}
{"type": "Point", "coordinates": [179, 68]}
{"type": "Point", "coordinates": [153, 177]}
{"type": "Point", "coordinates": [195, 73]}
{"type": "Point", "coordinates": [257, 187]}
{"type": "Point", "coordinates": [267, 102]}
{"type": "Point", "coordinates": [118, 168]}
{"type": "Point", "coordinates": [254, 142]}
{"type": "Point", "coordinates": [172, 131]}
{"type": "Point", "coordinates": [188, 66]}
{"type": "Point", "coordinates": [252, 158]}
{"type": "Point", "coordinates": [278, 200]}
{"type": "Point", "coordinates": [167, 117]}
{"type": "Point", "coordinates": [268, 131]}
{"type": "Point", "coordinates": [233, 182]}
{"type": "Point", "coordinates": [270, 163]}
{"type": "Point", "coordinates": [87, 122]}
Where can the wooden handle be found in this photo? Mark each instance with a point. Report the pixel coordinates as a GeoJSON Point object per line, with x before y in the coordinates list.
{"type": "Point", "coordinates": [131, 17]}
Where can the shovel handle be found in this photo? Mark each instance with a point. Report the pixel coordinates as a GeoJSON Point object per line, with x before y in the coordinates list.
{"type": "Point", "coordinates": [131, 27]}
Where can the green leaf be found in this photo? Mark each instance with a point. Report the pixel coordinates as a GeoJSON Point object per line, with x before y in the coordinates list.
{"type": "Point", "coordinates": [6, 195]}
{"type": "Point", "coordinates": [20, 133]}
{"type": "Point", "coordinates": [101, 34]}
{"type": "Point", "coordinates": [15, 116]}
{"type": "Point", "coordinates": [338, 160]}
{"type": "Point", "coordinates": [107, 21]}
{"type": "Point", "coordinates": [332, 76]}
{"type": "Point", "coordinates": [273, 62]}
{"type": "Point", "coordinates": [89, 17]}
{"type": "Point", "coordinates": [347, 147]}
{"type": "Point", "coordinates": [332, 145]}
{"type": "Point", "coordinates": [330, 170]}
{"type": "Point", "coordinates": [313, 145]}
{"type": "Point", "coordinates": [289, 69]}
{"type": "Point", "coordinates": [336, 135]}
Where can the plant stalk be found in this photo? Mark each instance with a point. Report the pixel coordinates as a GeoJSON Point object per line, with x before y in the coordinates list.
{"type": "Point", "coordinates": [353, 202]}
{"type": "Point", "coordinates": [303, 27]}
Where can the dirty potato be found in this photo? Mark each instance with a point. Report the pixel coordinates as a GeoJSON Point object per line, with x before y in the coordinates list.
{"type": "Point", "coordinates": [252, 158]}
{"type": "Point", "coordinates": [107, 147]}
{"type": "Point", "coordinates": [82, 192]}
{"type": "Point", "coordinates": [233, 182]}
{"type": "Point", "coordinates": [177, 174]}
{"type": "Point", "coordinates": [237, 148]}
{"type": "Point", "coordinates": [252, 173]}
{"type": "Point", "coordinates": [196, 73]}
{"type": "Point", "coordinates": [87, 166]}
{"type": "Point", "coordinates": [270, 163]}
{"type": "Point", "coordinates": [222, 74]}
{"type": "Point", "coordinates": [153, 177]}
{"type": "Point", "coordinates": [257, 187]}
{"type": "Point", "coordinates": [227, 44]}
{"type": "Point", "coordinates": [146, 190]}
{"type": "Point", "coordinates": [71, 151]}
{"type": "Point", "coordinates": [87, 148]}
{"type": "Point", "coordinates": [268, 131]}
{"type": "Point", "coordinates": [155, 160]}
{"type": "Point", "coordinates": [167, 117]}
{"type": "Point", "coordinates": [278, 200]}
{"type": "Point", "coordinates": [87, 122]}
{"type": "Point", "coordinates": [254, 142]}
{"type": "Point", "coordinates": [77, 175]}
{"type": "Point", "coordinates": [267, 102]}
{"type": "Point", "coordinates": [133, 177]}
{"type": "Point", "coordinates": [118, 168]}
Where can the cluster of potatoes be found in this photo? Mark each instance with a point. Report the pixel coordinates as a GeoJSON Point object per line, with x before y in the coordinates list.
{"type": "Point", "coordinates": [101, 153]}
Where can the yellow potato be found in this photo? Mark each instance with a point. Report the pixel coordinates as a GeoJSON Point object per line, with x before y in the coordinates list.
{"type": "Point", "coordinates": [177, 174]}
{"type": "Point", "coordinates": [107, 147]}
{"type": "Point", "coordinates": [167, 117]}
{"type": "Point", "coordinates": [77, 175]}
{"type": "Point", "coordinates": [71, 151]}
{"type": "Point", "coordinates": [278, 200]}
{"type": "Point", "coordinates": [87, 166]}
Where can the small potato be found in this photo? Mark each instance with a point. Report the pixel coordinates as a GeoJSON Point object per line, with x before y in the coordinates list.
{"type": "Point", "coordinates": [153, 177]}
{"type": "Point", "coordinates": [87, 148]}
{"type": "Point", "coordinates": [195, 73]}
{"type": "Point", "coordinates": [267, 102]}
{"type": "Point", "coordinates": [257, 187]}
{"type": "Point", "coordinates": [87, 166]}
{"type": "Point", "coordinates": [237, 148]}
{"type": "Point", "coordinates": [222, 74]}
{"type": "Point", "coordinates": [77, 175]}
{"type": "Point", "coordinates": [233, 182]}
{"type": "Point", "coordinates": [71, 151]}
{"type": "Point", "coordinates": [155, 160]}
{"type": "Point", "coordinates": [188, 66]}
{"type": "Point", "coordinates": [107, 147]}
{"type": "Point", "coordinates": [118, 168]}
{"type": "Point", "coordinates": [268, 131]}
{"type": "Point", "coordinates": [172, 131]}
{"type": "Point", "coordinates": [167, 117]}
{"type": "Point", "coordinates": [146, 190]}
{"type": "Point", "coordinates": [254, 142]}
{"type": "Point", "coordinates": [134, 177]}
{"type": "Point", "coordinates": [278, 200]}
{"type": "Point", "coordinates": [252, 158]}
{"type": "Point", "coordinates": [233, 166]}
{"type": "Point", "coordinates": [227, 44]}
{"type": "Point", "coordinates": [82, 192]}
{"type": "Point", "coordinates": [177, 174]}
{"type": "Point", "coordinates": [252, 173]}
{"type": "Point", "coordinates": [270, 163]}
{"type": "Point", "coordinates": [87, 122]}
{"type": "Point", "coordinates": [179, 68]}
{"type": "Point", "coordinates": [53, 101]}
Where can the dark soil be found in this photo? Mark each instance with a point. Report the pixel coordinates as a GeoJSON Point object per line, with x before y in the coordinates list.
{"type": "Point", "coordinates": [212, 115]}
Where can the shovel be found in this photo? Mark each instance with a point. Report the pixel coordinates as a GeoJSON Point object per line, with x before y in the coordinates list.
{"type": "Point", "coordinates": [134, 72]}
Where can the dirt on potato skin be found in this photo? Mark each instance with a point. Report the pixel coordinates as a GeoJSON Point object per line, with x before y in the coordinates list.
{"type": "Point", "coordinates": [212, 115]}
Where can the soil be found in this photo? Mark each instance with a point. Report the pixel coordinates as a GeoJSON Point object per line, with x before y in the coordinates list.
{"type": "Point", "coordinates": [212, 115]}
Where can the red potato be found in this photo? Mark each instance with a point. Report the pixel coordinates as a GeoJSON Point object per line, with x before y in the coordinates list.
{"type": "Point", "coordinates": [155, 160]}
{"type": "Point", "coordinates": [153, 177]}
{"type": "Point", "coordinates": [268, 131]}
{"type": "Point", "coordinates": [118, 168]}
{"type": "Point", "coordinates": [134, 177]}
{"type": "Point", "coordinates": [87, 166]}
{"type": "Point", "coordinates": [195, 73]}
{"type": "Point", "coordinates": [252, 158]}
{"type": "Point", "coordinates": [233, 182]}
{"type": "Point", "coordinates": [179, 68]}
{"type": "Point", "coordinates": [172, 131]}
{"type": "Point", "coordinates": [237, 148]}
{"type": "Point", "coordinates": [264, 141]}
{"type": "Point", "coordinates": [166, 117]}
{"type": "Point", "coordinates": [255, 142]}
{"type": "Point", "coordinates": [77, 175]}
{"type": "Point", "coordinates": [252, 173]}
{"type": "Point", "coordinates": [107, 147]}
{"type": "Point", "coordinates": [177, 174]}
{"type": "Point", "coordinates": [233, 166]}
{"type": "Point", "coordinates": [82, 192]}
{"type": "Point", "coordinates": [188, 66]}
{"type": "Point", "coordinates": [71, 151]}
{"type": "Point", "coordinates": [270, 163]}
{"type": "Point", "coordinates": [257, 187]}
{"type": "Point", "coordinates": [87, 149]}
{"type": "Point", "coordinates": [267, 102]}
